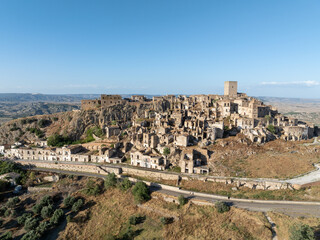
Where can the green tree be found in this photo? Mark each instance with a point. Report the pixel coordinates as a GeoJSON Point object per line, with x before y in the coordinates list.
{"type": "Point", "coordinates": [166, 151]}
{"type": "Point", "coordinates": [57, 216]}
{"type": "Point", "coordinates": [21, 220]}
{"type": "Point", "coordinates": [93, 189]}
{"type": "Point", "coordinates": [69, 201]}
{"type": "Point", "coordinates": [43, 227]}
{"type": "Point", "coordinates": [36, 209]}
{"type": "Point", "coordinates": [141, 192]}
{"type": "Point", "coordinates": [3, 209]}
{"type": "Point", "coordinates": [31, 223]}
{"type": "Point", "coordinates": [77, 205]}
{"type": "Point", "coordinates": [31, 235]}
{"type": "Point", "coordinates": [46, 200]}
{"type": "Point", "coordinates": [301, 232]}
{"type": "Point", "coordinates": [6, 236]}
{"type": "Point", "coordinates": [12, 202]}
{"type": "Point", "coordinates": [110, 181]}
{"type": "Point", "coordinates": [7, 213]}
{"type": "Point", "coordinates": [47, 211]}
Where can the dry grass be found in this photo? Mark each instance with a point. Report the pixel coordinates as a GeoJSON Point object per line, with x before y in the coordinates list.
{"type": "Point", "coordinates": [284, 222]}
{"type": "Point", "coordinates": [276, 159]}
{"type": "Point", "coordinates": [110, 214]}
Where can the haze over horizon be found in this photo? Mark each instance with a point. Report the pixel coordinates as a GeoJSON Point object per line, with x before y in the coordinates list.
{"type": "Point", "coordinates": [160, 47]}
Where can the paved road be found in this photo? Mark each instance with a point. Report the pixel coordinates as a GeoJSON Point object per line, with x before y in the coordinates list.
{"type": "Point", "coordinates": [292, 208]}
{"type": "Point", "coordinates": [308, 178]}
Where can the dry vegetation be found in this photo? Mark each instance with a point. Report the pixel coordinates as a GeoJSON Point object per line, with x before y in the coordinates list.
{"type": "Point", "coordinates": [236, 156]}
{"type": "Point", "coordinates": [283, 223]}
{"type": "Point", "coordinates": [110, 214]}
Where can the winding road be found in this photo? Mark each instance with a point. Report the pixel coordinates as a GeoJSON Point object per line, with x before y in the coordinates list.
{"type": "Point", "coordinates": [292, 208]}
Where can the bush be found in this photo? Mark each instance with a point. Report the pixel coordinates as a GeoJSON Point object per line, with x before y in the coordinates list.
{"type": "Point", "coordinates": [110, 181]}
{"type": "Point", "coordinates": [221, 207]}
{"type": "Point", "coordinates": [57, 140]}
{"type": "Point", "coordinates": [6, 236]}
{"type": "Point", "coordinates": [271, 129]}
{"type": "Point", "coordinates": [301, 232]}
{"type": "Point", "coordinates": [44, 123]}
{"type": "Point", "coordinates": [166, 220]}
{"type": "Point", "coordinates": [43, 227]}
{"type": "Point", "coordinates": [125, 185]}
{"type": "Point", "coordinates": [69, 219]}
{"type": "Point", "coordinates": [46, 211]}
{"type": "Point", "coordinates": [92, 189]}
{"type": "Point", "coordinates": [57, 216]}
{"type": "Point", "coordinates": [141, 192]}
{"type": "Point", "coordinates": [1, 222]}
{"type": "Point", "coordinates": [77, 205]}
{"type": "Point", "coordinates": [36, 209]}
{"type": "Point", "coordinates": [134, 220]}
{"type": "Point", "coordinates": [32, 235]}
{"type": "Point", "coordinates": [69, 201]}
{"type": "Point", "coordinates": [12, 202]}
{"type": "Point", "coordinates": [4, 186]}
{"type": "Point", "coordinates": [182, 200]}
{"type": "Point", "coordinates": [31, 223]}
{"type": "Point", "coordinates": [21, 220]}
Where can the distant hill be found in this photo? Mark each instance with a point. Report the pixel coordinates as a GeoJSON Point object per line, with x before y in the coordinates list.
{"type": "Point", "coordinates": [31, 97]}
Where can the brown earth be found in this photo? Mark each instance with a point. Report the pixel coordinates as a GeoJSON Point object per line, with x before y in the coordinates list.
{"type": "Point", "coordinates": [236, 156]}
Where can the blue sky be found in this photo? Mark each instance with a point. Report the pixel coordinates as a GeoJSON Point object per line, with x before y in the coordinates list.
{"type": "Point", "coordinates": [271, 47]}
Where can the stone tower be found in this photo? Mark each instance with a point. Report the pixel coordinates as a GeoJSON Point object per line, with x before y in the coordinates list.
{"type": "Point", "coordinates": [231, 88]}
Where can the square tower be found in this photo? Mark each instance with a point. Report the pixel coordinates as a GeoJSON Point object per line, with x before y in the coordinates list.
{"type": "Point", "coordinates": [231, 88]}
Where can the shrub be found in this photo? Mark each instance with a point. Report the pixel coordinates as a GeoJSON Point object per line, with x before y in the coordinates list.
{"type": "Point", "coordinates": [6, 236]}
{"type": "Point", "coordinates": [31, 223]}
{"type": "Point", "coordinates": [21, 220]}
{"type": "Point", "coordinates": [46, 211]}
{"type": "Point", "coordinates": [12, 202]}
{"type": "Point", "coordinates": [1, 222]}
{"type": "Point", "coordinates": [141, 192]}
{"type": "Point", "coordinates": [43, 227]}
{"type": "Point", "coordinates": [77, 205]}
{"type": "Point", "coordinates": [110, 181]}
{"type": "Point", "coordinates": [134, 220]}
{"type": "Point", "coordinates": [69, 201]}
{"type": "Point", "coordinates": [271, 129]}
{"type": "Point", "coordinates": [166, 220]}
{"type": "Point", "coordinates": [182, 200]}
{"type": "Point", "coordinates": [92, 189]}
{"type": "Point", "coordinates": [301, 232]}
{"type": "Point", "coordinates": [125, 185]}
{"type": "Point", "coordinates": [44, 123]}
{"type": "Point", "coordinates": [57, 140]}
{"type": "Point", "coordinates": [69, 219]}
{"type": "Point", "coordinates": [32, 235]}
{"type": "Point", "coordinates": [57, 216]}
{"type": "Point", "coordinates": [221, 207]}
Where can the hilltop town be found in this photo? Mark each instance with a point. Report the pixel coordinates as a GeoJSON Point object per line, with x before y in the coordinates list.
{"type": "Point", "coordinates": [175, 132]}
